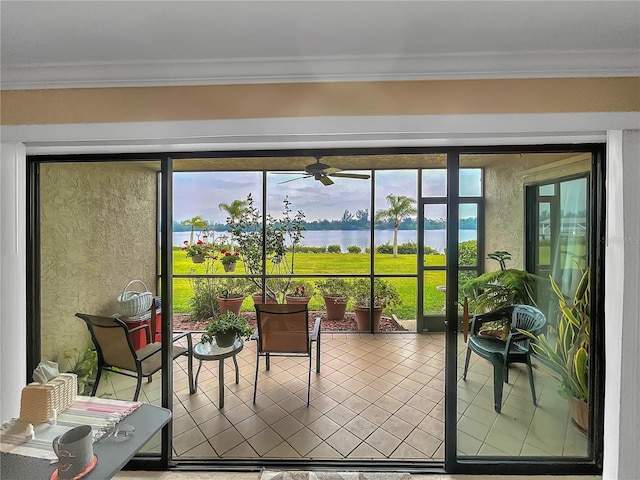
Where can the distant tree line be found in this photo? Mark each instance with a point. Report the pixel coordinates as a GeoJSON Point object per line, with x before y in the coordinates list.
{"type": "Point", "coordinates": [349, 221]}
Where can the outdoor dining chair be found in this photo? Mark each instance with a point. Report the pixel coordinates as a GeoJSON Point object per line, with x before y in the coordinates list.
{"type": "Point", "coordinates": [283, 331]}
{"type": "Point", "coordinates": [116, 353]}
{"type": "Point", "coordinates": [502, 344]}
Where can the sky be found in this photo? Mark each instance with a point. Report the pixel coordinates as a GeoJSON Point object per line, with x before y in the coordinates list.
{"type": "Point", "coordinates": [200, 193]}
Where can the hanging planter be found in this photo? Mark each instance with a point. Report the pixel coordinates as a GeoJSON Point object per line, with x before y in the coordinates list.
{"type": "Point", "coordinates": [229, 267]}
{"type": "Point", "coordinates": [197, 258]}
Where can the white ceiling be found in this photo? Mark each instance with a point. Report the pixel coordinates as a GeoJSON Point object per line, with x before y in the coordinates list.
{"type": "Point", "coordinates": [55, 44]}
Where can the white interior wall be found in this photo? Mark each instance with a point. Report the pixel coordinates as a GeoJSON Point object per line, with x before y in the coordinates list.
{"type": "Point", "coordinates": [13, 278]}
{"type": "Point", "coordinates": [622, 307]}
{"type": "Point", "coordinates": [622, 387]}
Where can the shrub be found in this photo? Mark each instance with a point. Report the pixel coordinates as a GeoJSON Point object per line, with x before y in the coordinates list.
{"type": "Point", "coordinates": [468, 252]}
{"type": "Point", "coordinates": [409, 248]}
{"type": "Point", "coordinates": [384, 293]}
{"type": "Point", "coordinates": [334, 249]}
{"type": "Point", "coordinates": [333, 287]}
{"type": "Point", "coordinates": [204, 303]}
{"type": "Point", "coordinates": [354, 249]}
{"type": "Point", "coordinates": [305, 249]}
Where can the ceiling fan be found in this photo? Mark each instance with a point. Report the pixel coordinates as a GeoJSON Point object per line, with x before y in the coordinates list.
{"type": "Point", "coordinates": [321, 172]}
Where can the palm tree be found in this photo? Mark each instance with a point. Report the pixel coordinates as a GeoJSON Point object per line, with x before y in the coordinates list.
{"type": "Point", "coordinates": [195, 222]}
{"type": "Point", "coordinates": [234, 210]}
{"type": "Point", "coordinates": [400, 207]}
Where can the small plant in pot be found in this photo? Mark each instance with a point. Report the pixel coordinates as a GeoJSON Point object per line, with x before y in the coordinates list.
{"type": "Point", "coordinates": [335, 292]}
{"type": "Point", "coordinates": [301, 292]}
{"type": "Point", "coordinates": [231, 294]}
{"type": "Point", "coordinates": [369, 309]}
{"type": "Point", "coordinates": [225, 329]}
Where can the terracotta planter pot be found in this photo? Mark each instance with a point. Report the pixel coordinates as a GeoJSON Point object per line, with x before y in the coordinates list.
{"type": "Point", "coordinates": [230, 304]}
{"type": "Point", "coordinates": [363, 319]}
{"type": "Point", "coordinates": [257, 299]}
{"type": "Point", "coordinates": [225, 339]}
{"type": "Point", "coordinates": [197, 258]}
{"type": "Point", "coordinates": [579, 411]}
{"type": "Point", "coordinates": [298, 300]}
{"type": "Point", "coordinates": [229, 267]}
{"type": "Point", "coordinates": [336, 306]}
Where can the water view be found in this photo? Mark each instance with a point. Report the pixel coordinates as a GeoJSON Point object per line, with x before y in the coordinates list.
{"type": "Point", "coordinates": [345, 238]}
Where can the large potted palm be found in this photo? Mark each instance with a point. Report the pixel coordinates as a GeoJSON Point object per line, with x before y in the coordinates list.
{"type": "Point", "coordinates": [565, 349]}
{"type": "Point", "coordinates": [508, 286]}
{"type": "Point", "coordinates": [368, 309]}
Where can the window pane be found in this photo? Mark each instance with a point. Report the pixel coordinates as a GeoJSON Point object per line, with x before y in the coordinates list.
{"type": "Point", "coordinates": [470, 182]}
{"type": "Point", "coordinates": [434, 182]}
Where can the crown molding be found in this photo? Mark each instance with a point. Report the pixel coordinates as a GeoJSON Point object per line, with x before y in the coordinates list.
{"type": "Point", "coordinates": [529, 64]}
{"type": "Point", "coordinates": [320, 132]}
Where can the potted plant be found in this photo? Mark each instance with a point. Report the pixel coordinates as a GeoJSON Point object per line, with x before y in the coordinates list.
{"type": "Point", "coordinates": [231, 294]}
{"type": "Point", "coordinates": [269, 294]}
{"type": "Point", "coordinates": [225, 329]}
{"type": "Point", "coordinates": [507, 286]}
{"type": "Point", "coordinates": [198, 251]}
{"type": "Point", "coordinates": [300, 293]}
{"type": "Point", "coordinates": [368, 309]}
{"type": "Point", "coordinates": [229, 259]}
{"type": "Point", "coordinates": [335, 291]}
{"type": "Point", "coordinates": [565, 349]}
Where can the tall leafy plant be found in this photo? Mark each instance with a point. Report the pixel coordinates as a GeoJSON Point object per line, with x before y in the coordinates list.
{"type": "Point", "coordinates": [507, 286]}
{"type": "Point", "coordinates": [247, 232]}
{"type": "Point", "coordinates": [566, 345]}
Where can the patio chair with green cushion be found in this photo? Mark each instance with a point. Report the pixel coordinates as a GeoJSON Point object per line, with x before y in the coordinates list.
{"type": "Point", "coordinates": [494, 336]}
{"type": "Point", "coordinates": [283, 331]}
{"type": "Point", "coordinates": [116, 353]}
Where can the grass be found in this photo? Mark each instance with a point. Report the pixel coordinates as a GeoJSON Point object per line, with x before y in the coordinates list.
{"type": "Point", "coordinates": [334, 263]}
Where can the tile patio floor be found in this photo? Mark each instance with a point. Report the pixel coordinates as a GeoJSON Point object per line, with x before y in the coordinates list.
{"type": "Point", "coordinates": [377, 397]}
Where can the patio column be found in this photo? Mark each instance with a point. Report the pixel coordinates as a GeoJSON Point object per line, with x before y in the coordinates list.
{"type": "Point", "coordinates": [13, 278]}
{"type": "Point", "coordinates": [622, 306]}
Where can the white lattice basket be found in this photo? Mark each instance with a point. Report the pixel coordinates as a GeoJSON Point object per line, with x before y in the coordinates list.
{"type": "Point", "coordinates": [132, 303]}
{"type": "Point", "coordinates": [38, 400]}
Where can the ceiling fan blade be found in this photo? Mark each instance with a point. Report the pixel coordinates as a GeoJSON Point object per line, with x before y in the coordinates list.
{"type": "Point", "coordinates": [351, 175]}
{"type": "Point", "coordinates": [326, 180]}
{"type": "Point", "coordinates": [292, 179]}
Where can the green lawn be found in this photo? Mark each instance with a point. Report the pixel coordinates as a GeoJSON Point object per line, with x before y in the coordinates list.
{"type": "Point", "coordinates": [333, 263]}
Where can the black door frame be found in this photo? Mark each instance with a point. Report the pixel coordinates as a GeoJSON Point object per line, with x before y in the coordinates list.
{"type": "Point", "coordinates": [453, 464]}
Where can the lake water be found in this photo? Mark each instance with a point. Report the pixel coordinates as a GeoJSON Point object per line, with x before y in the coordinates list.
{"type": "Point", "coordinates": [317, 238]}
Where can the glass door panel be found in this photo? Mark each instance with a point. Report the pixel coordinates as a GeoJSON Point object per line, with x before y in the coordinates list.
{"type": "Point", "coordinates": [97, 230]}
{"type": "Point", "coordinates": [497, 415]}
{"type": "Point", "coordinates": [434, 266]}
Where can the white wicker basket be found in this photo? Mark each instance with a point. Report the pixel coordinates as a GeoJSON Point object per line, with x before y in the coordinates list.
{"type": "Point", "coordinates": [132, 304]}
{"type": "Point", "coordinates": [38, 400]}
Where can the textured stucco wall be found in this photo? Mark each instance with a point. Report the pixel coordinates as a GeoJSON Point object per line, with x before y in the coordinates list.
{"type": "Point", "coordinates": [98, 225]}
{"type": "Point", "coordinates": [505, 179]}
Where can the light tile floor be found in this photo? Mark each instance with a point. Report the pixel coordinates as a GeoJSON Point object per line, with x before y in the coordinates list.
{"type": "Point", "coordinates": [377, 397]}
